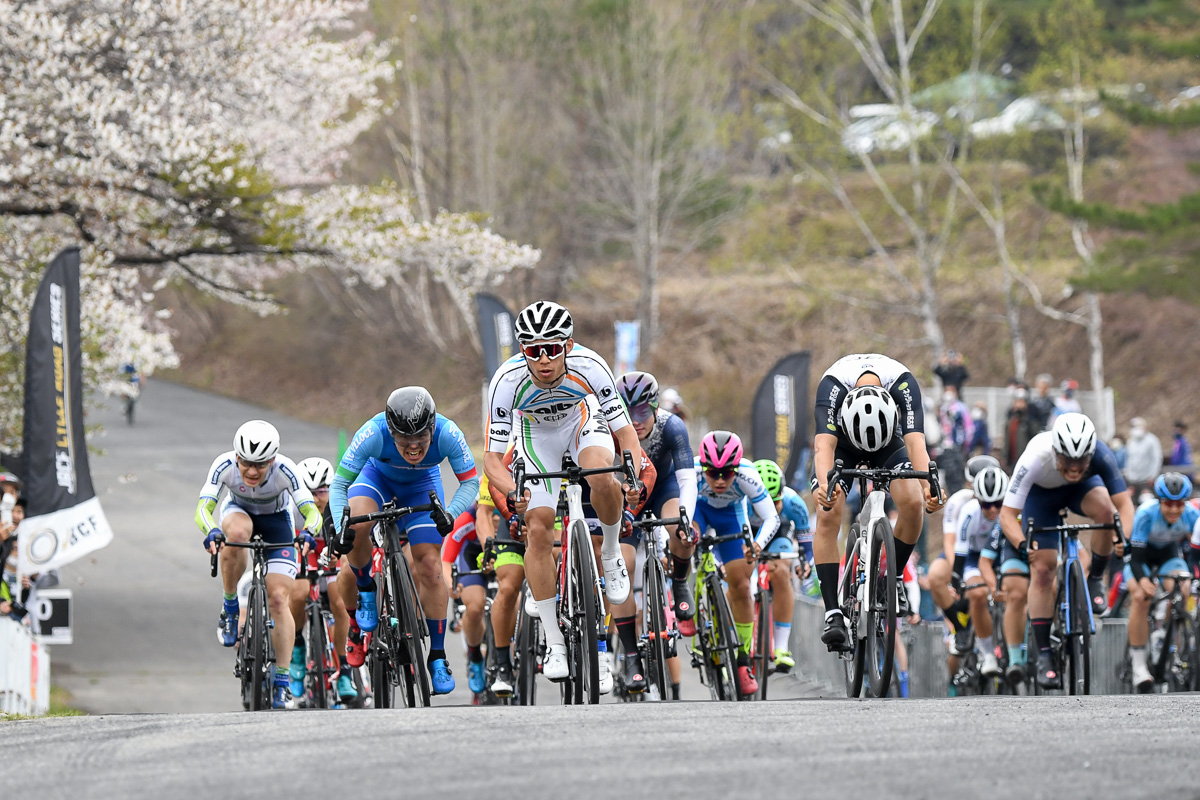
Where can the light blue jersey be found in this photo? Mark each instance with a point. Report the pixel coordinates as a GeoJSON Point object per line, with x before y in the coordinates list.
{"type": "Point", "coordinates": [1151, 528]}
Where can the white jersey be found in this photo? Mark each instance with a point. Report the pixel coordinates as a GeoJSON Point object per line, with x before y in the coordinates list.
{"type": "Point", "coordinates": [1037, 466]}
{"type": "Point", "coordinates": [512, 392]}
{"type": "Point", "coordinates": [974, 530]}
{"type": "Point", "coordinates": [746, 486]}
{"type": "Point", "coordinates": [952, 513]}
{"type": "Point", "coordinates": [275, 492]}
{"type": "Point", "coordinates": [848, 369]}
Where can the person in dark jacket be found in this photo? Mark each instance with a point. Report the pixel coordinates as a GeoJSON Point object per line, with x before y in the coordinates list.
{"type": "Point", "coordinates": [1020, 425]}
{"type": "Point", "coordinates": [951, 371]}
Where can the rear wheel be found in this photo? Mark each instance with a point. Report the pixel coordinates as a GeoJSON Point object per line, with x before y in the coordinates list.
{"type": "Point", "coordinates": [763, 652]}
{"type": "Point", "coordinates": [1079, 644]}
{"type": "Point", "coordinates": [880, 614]}
{"type": "Point", "coordinates": [654, 626]}
{"type": "Point", "coordinates": [526, 653]}
{"type": "Point", "coordinates": [411, 633]}
{"type": "Point", "coordinates": [848, 601]}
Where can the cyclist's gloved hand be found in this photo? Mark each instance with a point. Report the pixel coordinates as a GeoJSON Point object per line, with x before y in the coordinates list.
{"type": "Point", "coordinates": [687, 534]}
{"type": "Point", "coordinates": [1023, 550]}
{"type": "Point", "coordinates": [215, 536]}
{"type": "Point", "coordinates": [305, 539]}
{"type": "Point", "coordinates": [627, 524]}
{"type": "Point", "coordinates": [342, 542]}
{"type": "Point", "coordinates": [514, 527]}
{"type": "Point", "coordinates": [956, 583]}
{"type": "Point", "coordinates": [442, 520]}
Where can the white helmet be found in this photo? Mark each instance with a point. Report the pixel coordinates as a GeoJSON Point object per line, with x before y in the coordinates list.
{"type": "Point", "coordinates": [1074, 435]}
{"type": "Point", "coordinates": [869, 418]}
{"type": "Point", "coordinates": [977, 464]}
{"type": "Point", "coordinates": [990, 485]}
{"type": "Point", "coordinates": [315, 472]}
{"type": "Point", "coordinates": [257, 440]}
{"type": "Point", "coordinates": [543, 320]}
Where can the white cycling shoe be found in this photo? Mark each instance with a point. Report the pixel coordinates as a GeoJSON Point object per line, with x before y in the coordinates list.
{"type": "Point", "coordinates": [989, 666]}
{"type": "Point", "coordinates": [555, 667]}
{"type": "Point", "coordinates": [1143, 681]}
{"type": "Point", "coordinates": [531, 608]}
{"type": "Point", "coordinates": [606, 678]}
{"type": "Point", "coordinates": [616, 579]}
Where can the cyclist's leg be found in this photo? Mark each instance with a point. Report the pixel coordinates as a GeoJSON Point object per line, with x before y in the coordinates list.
{"type": "Point", "coordinates": [365, 496]}
{"type": "Point", "coordinates": [827, 563]}
{"type": "Point", "coordinates": [1098, 506]}
{"type": "Point", "coordinates": [783, 603]}
{"type": "Point", "coordinates": [1139, 627]}
{"type": "Point", "coordinates": [981, 614]}
{"type": "Point", "coordinates": [944, 598]}
{"type": "Point", "coordinates": [909, 497]}
{"type": "Point", "coordinates": [510, 574]}
{"type": "Point", "coordinates": [281, 573]}
{"type": "Point", "coordinates": [237, 526]}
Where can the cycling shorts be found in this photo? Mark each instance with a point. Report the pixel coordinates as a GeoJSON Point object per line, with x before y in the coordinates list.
{"type": "Point", "coordinates": [665, 488]}
{"type": "Point", "coordinates": [374, 484]}
{"type": "Point", "coordinates": [782, 543]}
{"type": "Point", "coordinates": [971, 567]}
{"type": "Point", "coordinates": [468, 560]}
{"type": "Point", "coordinates": [1159, 561]}
{"type": "Point", "coordinates": [1044, 506]}
{"type": "Point", "coordinates": [543, 445]}
{"type": "Point", "coordinates": [723, 521]}
{"type": "Point", "coordinates": [276, 528]}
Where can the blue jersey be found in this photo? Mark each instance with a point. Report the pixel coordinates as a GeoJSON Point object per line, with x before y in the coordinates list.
{"type": "Point", "coordinates": [795, 510]}
{"type": "Point", "coordinates": [373, 444]}
{"type": "Point", "coordinates": [667, 446]}
{"type": "Point", "coordinates": [1152, 530]}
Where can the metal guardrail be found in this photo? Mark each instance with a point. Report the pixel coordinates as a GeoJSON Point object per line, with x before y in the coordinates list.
{"type": "Point", "coordinates": [927, 673]}
{"type": "Point", "coordinates": [24, 670]}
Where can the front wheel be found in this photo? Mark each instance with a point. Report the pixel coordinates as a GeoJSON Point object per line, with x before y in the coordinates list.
{"type": "Point", "coordinates": [880, 617]}
{"type": "Point", "coordinates": [1079, 646]}
{"type": "Point", "coordinates": [854, 663]}
{"type": "Point", "coordinates": [763, 652]}
{"type": "Point", "coordinates": [727, 644]}
{"type": "Point", "coordinates": [317, 643]}
{"type": "Point", "coordinates": [526, 652]}
{"type": "Point", "coordinates": [654, 626]}
{"type": "Point", "coordinates": [260, 668]}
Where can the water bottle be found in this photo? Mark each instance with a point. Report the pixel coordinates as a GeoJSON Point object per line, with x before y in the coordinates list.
{"type": "Point", "coordinates": [1156, 644]}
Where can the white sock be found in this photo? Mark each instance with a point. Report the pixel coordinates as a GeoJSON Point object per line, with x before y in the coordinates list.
{"type": "Point", "coordinates": [548, 613]}
{"type": "Point", "coordinates": [783, 631]}
{"type": "Point", "coordinates": [611, 546]}
{"type": "Point", "coordinates": [985, 644]}
{"type": "Point", "coordinates": [1138, 656]}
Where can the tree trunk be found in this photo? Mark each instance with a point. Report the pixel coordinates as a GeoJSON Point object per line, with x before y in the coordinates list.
{"type": "Point", "coordinates": [1095, 343]}
{"type": "Point", "coordinates": [1012, 313]}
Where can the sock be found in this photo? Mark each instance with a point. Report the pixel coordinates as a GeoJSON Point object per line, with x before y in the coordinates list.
{"type": "Point", "coordinates": [1138, 656]}
{"type": "Point", "coordinates": [503, 655]}
{"type": "Point", "coordinates": [281, 676]}
{"type": "Point", "coordinates": [1041, 635]}
{"type": "Point", "coordinates": [783, 632]}
{"type": "Point", "coordinates": [680, 567]}
{"type": "Point", "coordinates": [474, 654]}
{"type": "Point", "coordinates": [548, 612]}
{"type": "Point", "coordinates": [827, 576]}
{"type": "Point", "coordinates": [903, 551]}
{"type": "Point", "coordinates": [611, 546]}
{"type": "Point", "coordinates": [362, 577]}
{"type": "Point", "coordinates": [299, 641]}
{"type": "Point", "coordinates": [985, 644]}
{"type": "Point", "coordinates": [951, 617]}
{"type": "Point", "coordinates": [903, 683]}
{"type": "Point", "coordinates": [674, 691]}
{"type": "Point", "coordinates": [1099, 565]}
{"type": "Point", "coordinates": [231, 599]}
{"type": "Point", "coordinates": [437, 634]}
{"type": "Point", "coordinates": [1016, 654]}
{"type": "Point", "coordinates": [627, 632]}
{"type": "Point", "coordinates": [745, 632]}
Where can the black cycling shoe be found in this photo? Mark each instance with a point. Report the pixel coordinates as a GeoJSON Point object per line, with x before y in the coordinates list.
{"type": "Point", "coordinates": [902, 609]}
{"type": "Point", "coordinates": [1015, 674]}
{"type": "Point", "coordinates": [503, 683]}
{"type": "Point", "coordinates": [1099, 601]}
{"type": "Point", "coordinates": [1048, 677]}
{"type": "Point", "coordinates": [685, 607]}
{"type": "Point", "coordinates": [835, 636]}
{"type": "Point", "coordinates": [961, 642]}
{"type": "Point", "coordinates": [635, 681]}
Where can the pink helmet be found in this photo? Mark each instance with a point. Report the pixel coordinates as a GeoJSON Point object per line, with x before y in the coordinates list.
{"type": "Point", "coordinates": [720, 449]}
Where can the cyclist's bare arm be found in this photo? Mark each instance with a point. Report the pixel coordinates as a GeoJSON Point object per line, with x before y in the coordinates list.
{"type": "Point", "coordinates": [824, 445]}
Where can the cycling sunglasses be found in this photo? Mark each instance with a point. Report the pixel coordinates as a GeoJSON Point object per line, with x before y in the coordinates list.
{"type": "Point", "coordinates": [991, 505]}
{"type": "Point", "coordinates": [724, 473]}
{"type": "Point", "coordinates": [1065, 463]}
{"type": "Point", "coordinates": [552, 350]}
{"type": "Point", "coordinates": [1173, 503]}
{"type": "Point", "coordinates": [255, 464]}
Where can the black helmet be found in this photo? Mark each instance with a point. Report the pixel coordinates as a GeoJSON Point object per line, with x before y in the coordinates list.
{"type": "Point", "coordinates": [410, 411]}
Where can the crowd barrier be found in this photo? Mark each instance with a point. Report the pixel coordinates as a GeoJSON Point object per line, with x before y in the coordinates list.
{"type": "Point", "coordinates": [24, 670]}
{"type": "Point", "coordinates": [927, 674]}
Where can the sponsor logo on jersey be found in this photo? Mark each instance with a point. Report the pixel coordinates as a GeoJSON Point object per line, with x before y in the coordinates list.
{"type": "Point", "coordinates": [554, 408]}
{"type": "Point", "coordinates": [501, 413]}
{"type": "Point", "coordinates": [499, 433]}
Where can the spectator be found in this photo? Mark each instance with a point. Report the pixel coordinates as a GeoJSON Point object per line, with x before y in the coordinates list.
{"type": "Point", "coordinates": [1118, 447]}
{"type": "Point", "coordinates": [951, 371]}
{"type": "Point", "coordinates": [1143, 457]}
{"type": "Point", "coordinates": [1020, 425]}
{"type": "Point", "coordinates": [1066, 402]}
{"type": "Point", "coordinates": [671, 401]}
{"type": "Point", "coordinates": [1041, 404]}
{"type": "Point", "coordinates": [981, 440]}
{"type": "Point", "coordinates": [957, 430]}
{"type": "Point", "coordinates": [1181, 452]}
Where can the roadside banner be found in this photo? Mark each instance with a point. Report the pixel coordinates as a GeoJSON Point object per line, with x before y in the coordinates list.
{"type": "Point", "coordinates": [779, 425]}
{"type": "Point", "coordinates": [64, 520]}
{"type": "Point", "coordinates": [628, 336]}
{"type": "Point", "coordinates": [496, 334]}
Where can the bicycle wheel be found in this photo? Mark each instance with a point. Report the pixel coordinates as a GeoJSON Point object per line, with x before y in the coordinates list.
{"type": "Point", "coordinates": [1079, 648]}
{"type": "Point", "coordinates": [261, 677]}
{"type": "Point", "coordinates": [727, 643]}
{"type": "Point", "coordinates": [1124, 670]}
{"type": "Point", "coordinates": [526, 652]}
{"type": "Point", "coordinates": [880, 616]}
{"type": "Point", "coordinates": [489, 662]}
{"type": "Point", "coordinates": [763, 653]}
{"type": "Point", "coordinates": [411, 633]}
{"type": "Point", "coordinates": [703, 639]}
{"type": "Point", "coordinates": [316, 642]}
{"type": "Point", "coordinates": [588, 616]}
{"type": "Point", "coordinates": [654, 625]}
{"type": "Point", "coordinates": [1180, 674]}
{"type": "Point", "coordinates": [854, 664]}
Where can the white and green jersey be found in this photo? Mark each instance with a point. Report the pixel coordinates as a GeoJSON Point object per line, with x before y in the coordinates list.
{"type": "Point", "coordinates": [275, 492]}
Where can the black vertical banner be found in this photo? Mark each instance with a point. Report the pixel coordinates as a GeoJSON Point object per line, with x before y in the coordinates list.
{"type": "Point", "coordinates": [779, 426]}
{"type": "Point", "coordinates": [64, 520]}
{"type": "Point", "coordinates": [495, 332]}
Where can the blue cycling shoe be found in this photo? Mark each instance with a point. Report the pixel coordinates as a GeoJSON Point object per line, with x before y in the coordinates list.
{"type": "Point", "coordinates": [443, 681]}
{"type": "Point", "coordinates": [366, 615]}
{"type": "Point", "coordinates": [475, 677]}
{"type": "Point", "coordinates": [345, 688]}
{"type": "Point", "coordinates": [227, 626]}
{"type": "Point", "coordinates": [282, 696]}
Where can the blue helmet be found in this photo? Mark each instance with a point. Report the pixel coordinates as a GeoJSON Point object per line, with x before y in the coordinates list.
{"type": "Point", "coordinates": [1173, 486]}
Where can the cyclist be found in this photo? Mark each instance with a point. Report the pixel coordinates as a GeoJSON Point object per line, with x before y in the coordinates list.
{"type": "Point", "coordinates": [1160, 528]}
{"type": "Point", "coordinates": [317, 474]}
{"type": "Point", "coordinates": [563, 399]}
{"type": "Point", "coordinates": [396, 455]}
{"type": "Point", "coordinates": [730, 483]}
{"type": "Point", "coordinates": [664, 438]}
{"type": "Point", "coordinates": [259, 484]}
{"type": "Point", "coordinates": [1065, 467]}
{"type": "Point", "coordinates": [858, 401]}
{"type": "Point", "coordinates": [793, 516]}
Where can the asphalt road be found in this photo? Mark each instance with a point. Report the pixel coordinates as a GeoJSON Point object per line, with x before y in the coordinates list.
{"type": "Point", "coordinates": [145, 606]}
{"type": "Point", "coordinates": [1096, 747]}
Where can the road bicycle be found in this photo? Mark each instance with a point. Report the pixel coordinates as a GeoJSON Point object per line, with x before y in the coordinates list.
{"type": "Point", "coordinates": [320, 660]}
{"type": "Point", "coordinates": [657, 643]}
{"type": "Point", "coordinates": [1171, 646]}
{"type": "Point", "coordinates": [528, 652]}
{"type": "Point", "coordinates": [716, 644]}
{"type": "Point", "coordinates": [580, 609]}
{"type": "Point", "coordinates": [398, 648]}
{"type": "Point", "coordinates": [486, 697]}
{"type": "Point", "coordinates": [1073, 624]}
{"type": "Point", "coordinates": [254, 663]}
{"type": "Point", "coordinates": [762, 653]}
{"type": "Point", "coordinates": [868, 584]}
